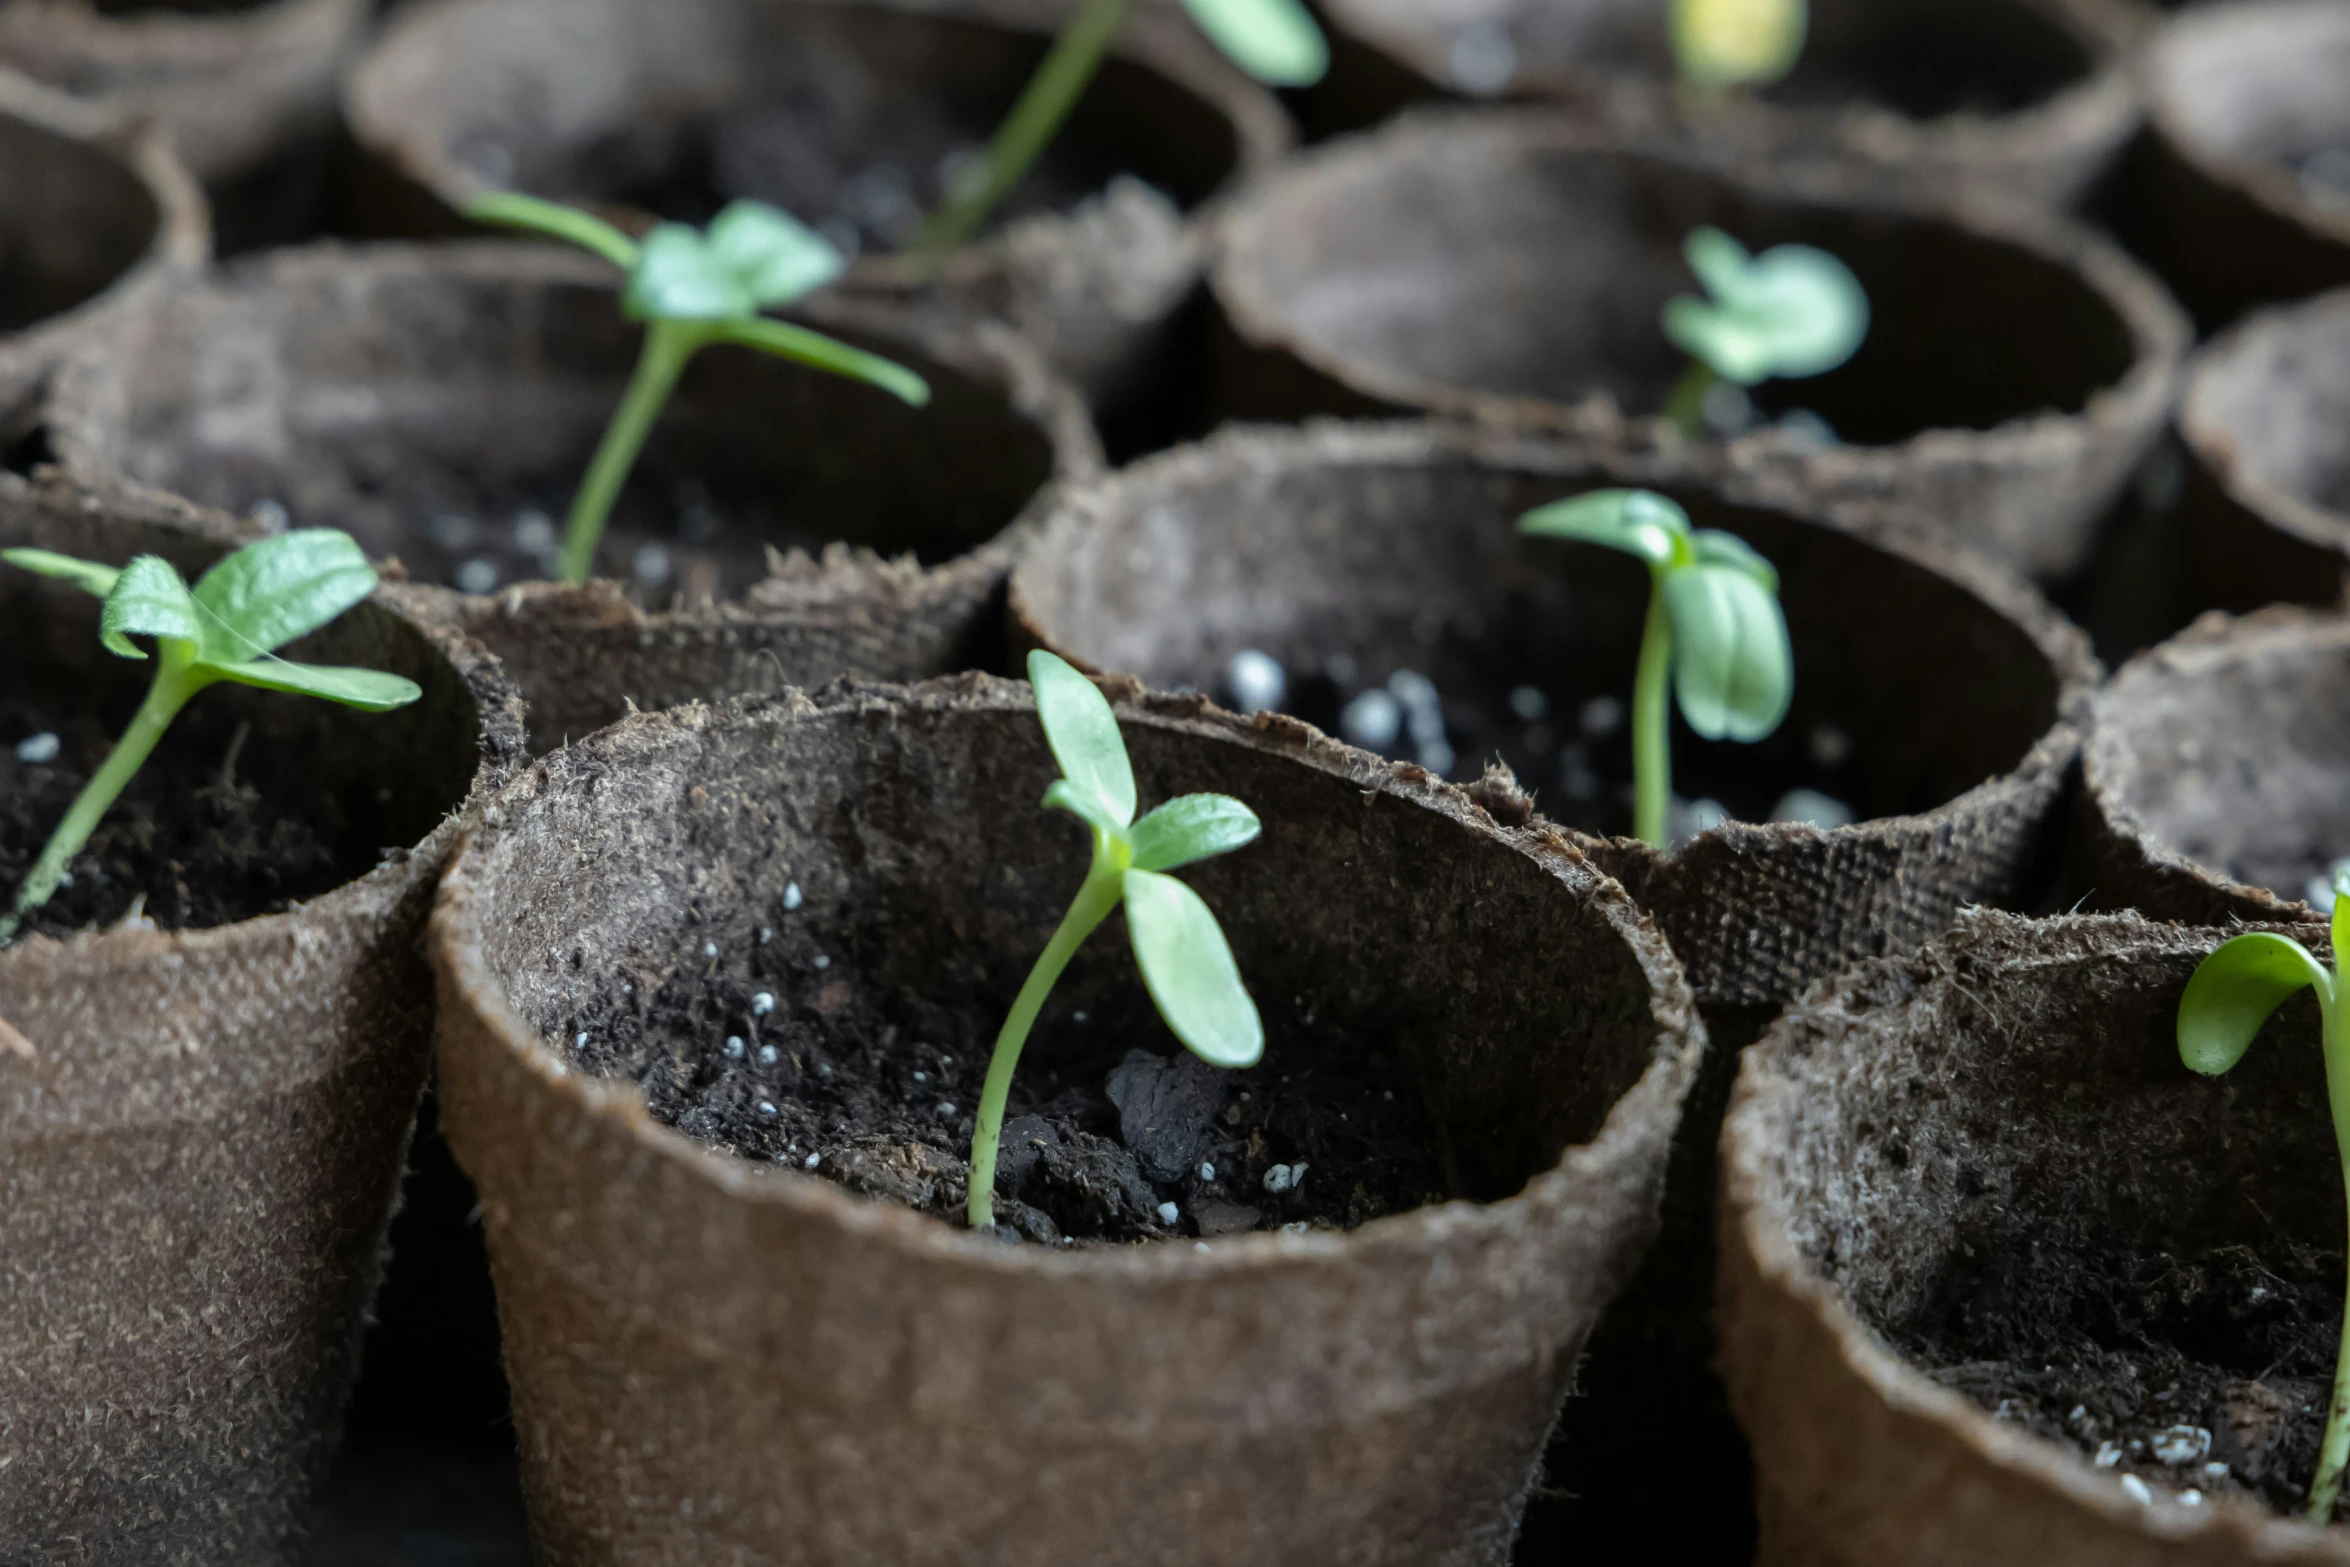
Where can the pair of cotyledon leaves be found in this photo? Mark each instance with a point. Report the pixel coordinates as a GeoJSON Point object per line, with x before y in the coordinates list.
{"type": "Point", "coordinates": [1733, 666]}
{"type": "Point", "coordinates": [1792, 311]}
{"type": "Point", "coordinates": [1186, 964]}
{"type": "Point", "coordinates": [2248, 977]}
{"type": "Point", "coordinates": [240, 612]}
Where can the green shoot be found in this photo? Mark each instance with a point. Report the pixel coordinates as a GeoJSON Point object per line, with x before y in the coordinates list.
{"type": "Point", "coordinates": [693, 287]}
{"type": "Point", "coordinates": [1186, 964]}
{"type": "Point", "coordinates": [1792, 311]}
{"type": "Point", "coordinates": [1719, 44]}
{"type": "Point", "coordinates": [1715, 635]}
{"type": "Point", "coordinates": [228, 627]}
{"type": "Point", "coordinates": [1274, 41]}
{"type": "Point", "coordinates": [2231, 995]}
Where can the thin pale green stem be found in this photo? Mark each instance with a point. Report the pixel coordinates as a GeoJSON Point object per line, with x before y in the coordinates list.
{"type": "Point", "coordinates": [1092, 905]}
{"type": "Point", "coordinates": [2334, 1449]}
{"type": "Point", "coordinates": [668, 345]}
{"type": "Point", "coordinates": [1044, 103]}
{"type": "Point", "coordinates": [1684, 406]}
{"type": "Point", "coordinates": [1652, 692]}
{"type": "Point", "coordinates": [176, 680]}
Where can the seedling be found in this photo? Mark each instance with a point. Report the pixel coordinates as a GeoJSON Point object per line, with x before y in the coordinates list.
{"type": "Point", "coordinates": [227, 628]}
{"type": "Point", "coordinates": [1715, 635]}
{"type": "Point", "coordinates": [1792, 311]}
{"type": "Point", "coordinates": [2231, 995]}
{"type": "Point", "coordinates": [1274, 41]}
{"type": "Point", "coordinates": [1186, 964]}
{"type": "Point", "coordinates": [1720, 44]}
{"type": "Point", "coordinates": [693, 287]}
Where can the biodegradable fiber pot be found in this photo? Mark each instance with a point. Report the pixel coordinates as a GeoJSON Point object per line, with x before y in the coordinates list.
{"type": "Point", "coordinates": [723, 1359]}
{"type": "Point", "coordinates": [441, 402]}
{"type": "Point", "coordinates": [2217, 770]}
{"type": "Point", "coordinates": [847, 113]}
{"type": "Point", "coordinates": [205, 1127]}
{"type": "Point", "coordinates": [1978, 1179]}
{"type": "Point", "coordinates": [92, 218]}
{"type": "Point", "coordinates": [1509, 266]}
{"type": "Point", "coordinates": [1373, 548]}
{"type": "Point", "coordinates": [2026, 96]}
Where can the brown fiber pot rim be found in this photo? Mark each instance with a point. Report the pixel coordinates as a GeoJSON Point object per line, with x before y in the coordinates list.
{"type": "Point", "coordinates": [1632, 1124]}
{"type": "Point", "coordinates": [2207, 429]}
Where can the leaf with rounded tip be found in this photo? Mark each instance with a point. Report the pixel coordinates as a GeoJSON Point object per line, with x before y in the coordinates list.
{"type": "Point", "coordinates": [1728, 344]}
{"type": "Point", "coordinates": [1713, 547]}
{"type": "Point", "coordinates": [1638, 522]}
{"type": "Point", "coordinates": [776, 257]}
{"type": "Point", "coordinates": [1275, 41]}
{"type": "Point", "coordinates": [678, 277]}
{"type": "Point", "coordinates": [276, 589]}
{"type": "Point", "coordinates": [1733, 668]}
{"type": "Point", "coordinates": [149, 599]}
{"type": "Point", "coordinates": [2234, 990]}
{"type": "Point", "coordinates": [369, 690]}
{"type": "Point", "coordinates": [1192, 827]}
{"type": "Point", "coordinates": [512, 209]}
{"type": "Point", "coordinates": [797, 343]}
{"type": "Point", "coordinates": [1726, 43]}
{"type": "Point", "coordinates": [1083, 734]}
{"type": "Point", "coordinates": [1792, 311]}
{"type": "Point", "coordinates": [1187, 967]}
{"type": "Point", "coordinates": [87, 575]}
{"type": "Point", "coordinates": [1717, 260]}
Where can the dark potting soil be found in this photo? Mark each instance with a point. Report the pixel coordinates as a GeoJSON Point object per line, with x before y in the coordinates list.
{"type": "Point", "coordinates": [190, 845]}
{"type": "Point", "coordinates": [2206, 1373]}
{"type": "Point", "coordinates": [1113, 1132]}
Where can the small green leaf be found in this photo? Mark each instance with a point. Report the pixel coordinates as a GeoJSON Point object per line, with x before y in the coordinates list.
{"type": "Point", "coordinates": [1638, 522]}
{"type": "Point", "coordinates": [1713, 547]}
{"type": "Point", "coordinates": [1732, 346]}
{"type": "Point", "coordinates": [1728, 43]}
{"type": "Point", "coordinates": [1192, 827]}
{"type": "Point", "coordinates": [1733, 668]}
{"type": "Point", "coordinates": [786, 341]}
{"type": "Point", "coordinates": [2234, 990]}
{"type": "Point", "coordinates": [149, 599]}
{"type": "Point", "coordinates": [1187, 966]}
{"type": "Point", "coordinates": [776, 257]}
{"type": "Point", "coordinates": [1275, 41]}
{"type": "Point", "coordinates": [280, 588]}
{"type": "Point", "coordinates": [1083, 733]}
{"type": "Point", "coordinates": [1792, 311]}
{"type": "Point", "coordinates": [87, 575]}
{"type": "Point", "coordinates": [511, 209]}
{"type": "Point", "coordinates": [1717, 260]}
{"type": "Point", "coordinates": [369, 690]}
{"type": "Point", "coordinates": [1087, 807]}
{"type": "Point", "coordinates": [678, 277]}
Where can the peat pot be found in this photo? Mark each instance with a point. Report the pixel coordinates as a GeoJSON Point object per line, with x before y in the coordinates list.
{"type": "Point", "coordinates": [2217, 770]}
{"type": "Point", "coordinates": [441, 402]}
{"type": "Point", "coordinates": [244, 89]}
{"type": "Point", "coordinates": [92, 218]}
{"type": "Point", "coordinates": [1509, 267]}
{"type": "Point", "coordinates": [216, 1038]}
{"type": "Point", "coordinates": [2249, 194]}
{"type": "Point", "coordinates": [2030, 97]}
{"type": "Point", "coordinates": [2003, 1281]}
{"type": "Point", "coordinates": [849, 114]}
{"type": "Point", "coordinates": [724, 1350]}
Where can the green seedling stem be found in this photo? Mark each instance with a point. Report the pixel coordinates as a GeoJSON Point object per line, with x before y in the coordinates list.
{"type": "Point", "coordinates": [1714, 634]}
{"type": "Point", "coordinates": [227, 628]}
{"type": "Point", "coordinates": [1185, 961]}
{"type": "Point", "coordinates": [2233, 992]}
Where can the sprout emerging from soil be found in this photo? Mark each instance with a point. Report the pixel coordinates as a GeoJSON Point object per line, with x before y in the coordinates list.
{"type": "Point", "coordinates": [1186, 964]}
{"type": "Point", "coordinates": [693, 287]}
{"type": "Point", "coordinates": [228, 627]}
{"type": "Point", "coordinates": [1714, 632]}
{"type": "Point", "coordinates": [1274, 41]}
{"type": "Point", "coordinates": [1791, 312]}
{"type": "Point", "coordinates": [1719, 44]}
{"type": "Point", "coordinates": [2230, 996]}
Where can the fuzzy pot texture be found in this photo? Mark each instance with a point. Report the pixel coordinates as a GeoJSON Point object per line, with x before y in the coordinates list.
{"type": "Point", "coordinates": [719, 1360]}
{"type": "Point", "coordinates": [1979, 1178]}
{"type": "Point", "coordinates": [205, 1128]}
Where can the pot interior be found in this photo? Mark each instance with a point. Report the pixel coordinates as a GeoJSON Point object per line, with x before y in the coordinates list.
{"type": "Point", "coordinates": [443, 410]}
{"type": "Point", "coordinates": [884, 873]}
{"type": "Point", "coordinates": [1483, 264]}
{"type": "Point", "coordinates": [1365, 567]}
{"type": "Point", "coordinates": [73, 218]}
{"type": "Point", "coordinates": [2259, 85]}
{"type": "Point", "coordinates": [2272, 404]}
{"type": "Point", "coordinates": [2002, 1167]}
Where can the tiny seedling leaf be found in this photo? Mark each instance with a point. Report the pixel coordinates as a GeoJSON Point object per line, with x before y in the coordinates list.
{"type": "Point", "coordinates": [1724, 43]}
{"type": "Point", "coordinates": [369, 690]}
{"type": "Point", "coordinates": [149, 600]}
{"type": "Point", "coordinates": [1792, 311]}
{"type": "Point", "coordinates": [277, 589]}
{"type": "Point", "coordinates": [1712, 547]}
{"type": "Point", "coordinates": [1192, 827]}
{"type": "Point", "coordinates": [1274, 41]}
{"type": "Point", "coordinates": [1733, 668]}
{"type": "Point", "coordinates": [511, 209]}
{"type": "Point", "coordinates": [786, 341]}
{"type": "Point", "coordinates": [678, 277]}
{"type": "Point", "coordinates": [1718, 260]}
{"type": "Point", "coordinates": [1083, 734]}
{"type": "Point", "coordinates": [87, 575]}
{"type": "Point", "coordinates": [2234, 990]}
{"type": "Point", "coordinates": [1638, 522]}
{"type": "Point", "coordinates": [775, 256]}
{"type": "Point", "coordinates": [1084, 804]}
{"type": "Point", "coordinates": [1187, 966]}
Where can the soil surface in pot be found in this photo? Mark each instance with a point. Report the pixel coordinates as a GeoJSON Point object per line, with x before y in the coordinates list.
{"type": "Point", "coordinates": [1113, 1132]}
